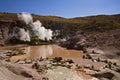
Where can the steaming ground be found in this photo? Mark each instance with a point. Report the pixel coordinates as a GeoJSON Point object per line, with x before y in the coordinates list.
{"type": "Point", "coordinates": [31, 30]}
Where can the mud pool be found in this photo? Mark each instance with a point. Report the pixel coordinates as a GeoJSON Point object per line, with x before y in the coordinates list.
{"type": "Point", "coordinates": [44, 51]}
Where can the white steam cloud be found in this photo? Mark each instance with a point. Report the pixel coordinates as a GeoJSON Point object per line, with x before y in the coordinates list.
{"type": "Point", "coordinates": [31, 30]}
{"type": "Point", "coordinates": [20, 33]}
{"type": "Point", "coordinates": [25, 17]}
{"type": "Point", "coordinates": [40, 31]}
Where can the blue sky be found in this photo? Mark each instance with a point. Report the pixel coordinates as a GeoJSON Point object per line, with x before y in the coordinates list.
{"type": "Point", "coordinates": [63, 8]}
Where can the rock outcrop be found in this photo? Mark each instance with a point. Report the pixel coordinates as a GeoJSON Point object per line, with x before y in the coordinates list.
{"type": "Point", "coordinates": [4, 30]}
{"type": "Point", "coordinates": [81, 39]}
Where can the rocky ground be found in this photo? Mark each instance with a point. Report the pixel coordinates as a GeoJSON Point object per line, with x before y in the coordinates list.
{"type": "Point", "coordinates": [41, 69]}
{"type": "Point", "coordinates": [111, 71]}
{"type": "Point", "coordinates": [88, 68]}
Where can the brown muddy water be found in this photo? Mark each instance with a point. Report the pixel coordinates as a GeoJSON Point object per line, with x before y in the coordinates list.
{"type": "Point", "coordinates": [44, 51]}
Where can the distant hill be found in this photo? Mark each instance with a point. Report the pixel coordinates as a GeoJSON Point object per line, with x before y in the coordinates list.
{"type": "Point", "coordinates": [67, 26]}
{"type": "Point", "coordinates": [91, 23]}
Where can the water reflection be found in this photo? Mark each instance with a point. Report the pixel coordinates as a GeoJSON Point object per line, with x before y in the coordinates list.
{"type": "Point", "coordinates": [40, 51]}
{"type": "Point", "coordinates": [44, 51]}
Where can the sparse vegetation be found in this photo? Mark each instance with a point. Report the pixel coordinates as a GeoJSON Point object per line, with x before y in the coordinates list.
{"type": "Point", "coordinates": [98, 23]}
{"type": "Point", "coordinates": [37, 41]}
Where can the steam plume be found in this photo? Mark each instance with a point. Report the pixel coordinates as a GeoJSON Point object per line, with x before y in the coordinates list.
{"type": "Point", "coordinates": [25, 17]}
{"type": "Point", "coordinates": [20, 34]}
{"type": "Point", "coordinates": [34, 29]}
